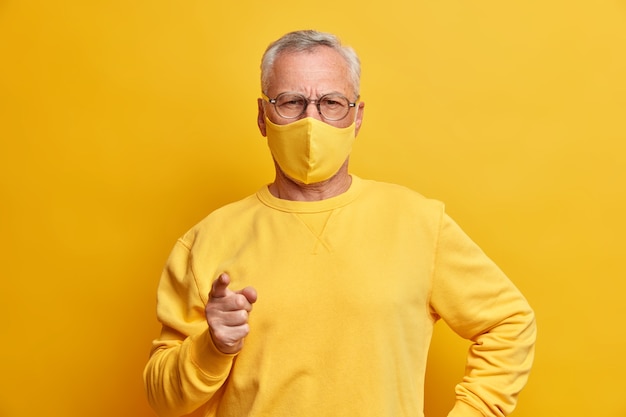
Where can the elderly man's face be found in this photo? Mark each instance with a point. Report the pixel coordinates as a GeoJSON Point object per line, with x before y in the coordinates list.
{"type": "Point", "coordinates": [312, 74]}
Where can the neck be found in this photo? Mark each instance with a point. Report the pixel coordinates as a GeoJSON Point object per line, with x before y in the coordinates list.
{"type": "Point", "coordinates": [286, 188]}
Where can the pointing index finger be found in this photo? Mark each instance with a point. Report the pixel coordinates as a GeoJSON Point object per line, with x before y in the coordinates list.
{"type": "Point", "coordinates": [219, 287]}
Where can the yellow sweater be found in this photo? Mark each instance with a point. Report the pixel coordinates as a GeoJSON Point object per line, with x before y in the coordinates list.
{"type": "Point", "coordinates": [349, 291]}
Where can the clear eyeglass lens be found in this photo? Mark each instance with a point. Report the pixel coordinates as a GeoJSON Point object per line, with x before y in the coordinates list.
{"type": "Point", "coordinates": [290, 105]}
{"type": "Point", "coordinates": [332, 106]}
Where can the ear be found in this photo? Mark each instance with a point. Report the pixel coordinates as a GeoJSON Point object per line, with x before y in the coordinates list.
{"type": "Point", "coordinates": [359, 118]}
{"type": "Point", "coordinates": [260, 121]}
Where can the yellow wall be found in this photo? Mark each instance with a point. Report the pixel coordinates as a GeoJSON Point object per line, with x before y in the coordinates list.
{"type": "Point", "coordinates": [122, 123]}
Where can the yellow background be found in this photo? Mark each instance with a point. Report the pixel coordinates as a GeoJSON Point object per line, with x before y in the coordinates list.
{"type": "Point", "coordinates": [122, 123]}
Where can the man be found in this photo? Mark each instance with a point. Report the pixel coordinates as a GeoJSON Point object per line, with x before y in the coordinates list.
{"type": "Point", "coordinates": [351, 276]}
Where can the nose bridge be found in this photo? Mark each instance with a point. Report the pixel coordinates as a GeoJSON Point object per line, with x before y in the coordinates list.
{"type": "Point", "coordinates": [312, 109]}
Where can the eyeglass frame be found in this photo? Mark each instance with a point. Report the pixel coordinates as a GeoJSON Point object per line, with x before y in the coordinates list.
{"type": "Point", "coordinates": [308, 102]}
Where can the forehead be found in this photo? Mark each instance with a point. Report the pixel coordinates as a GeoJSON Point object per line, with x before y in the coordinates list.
{"type": "Point", "coordinates": [319, 71]}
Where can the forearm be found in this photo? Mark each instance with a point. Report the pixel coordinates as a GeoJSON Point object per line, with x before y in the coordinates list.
{"type": "Point", "coordinates": [498, 365]}
{"type": "Point", "coordinates": [183, 376]}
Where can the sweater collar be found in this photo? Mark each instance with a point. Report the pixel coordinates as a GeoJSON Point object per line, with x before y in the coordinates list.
{"type": "Point", "coordinates": [332, 203]}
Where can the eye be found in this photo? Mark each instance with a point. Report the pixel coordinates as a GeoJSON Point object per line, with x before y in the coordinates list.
{"type": "Point", "coordinates": [334, 101]}
{"type": "Point", "coordinates": [291, 101]}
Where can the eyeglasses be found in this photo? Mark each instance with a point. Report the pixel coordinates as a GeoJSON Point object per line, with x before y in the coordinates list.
{"type": "Point", "coordinates": [332, 106]}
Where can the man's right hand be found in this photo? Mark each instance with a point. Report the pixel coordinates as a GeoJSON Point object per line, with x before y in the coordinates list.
{"type": "Point", "coordinates": [227, 314]}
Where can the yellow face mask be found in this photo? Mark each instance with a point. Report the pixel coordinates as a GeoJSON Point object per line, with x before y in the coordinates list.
{"type": "Point", "coordinates": [309, 150]}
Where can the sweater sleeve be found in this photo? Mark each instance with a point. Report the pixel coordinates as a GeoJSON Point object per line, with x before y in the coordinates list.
{"type": "Point", "coordinates": [185, 370]}
{"type": "Point", "coordinates": [474, 297]}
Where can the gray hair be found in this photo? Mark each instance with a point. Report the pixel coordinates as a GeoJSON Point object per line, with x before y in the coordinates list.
{"type": "Point", "coordinates": [307, 40]}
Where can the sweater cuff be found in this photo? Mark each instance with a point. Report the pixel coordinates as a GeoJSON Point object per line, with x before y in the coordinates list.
{"type": "Point", "coordinates": [462, 409]}
{"type": "Point", "coordinates": [208, 358]}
